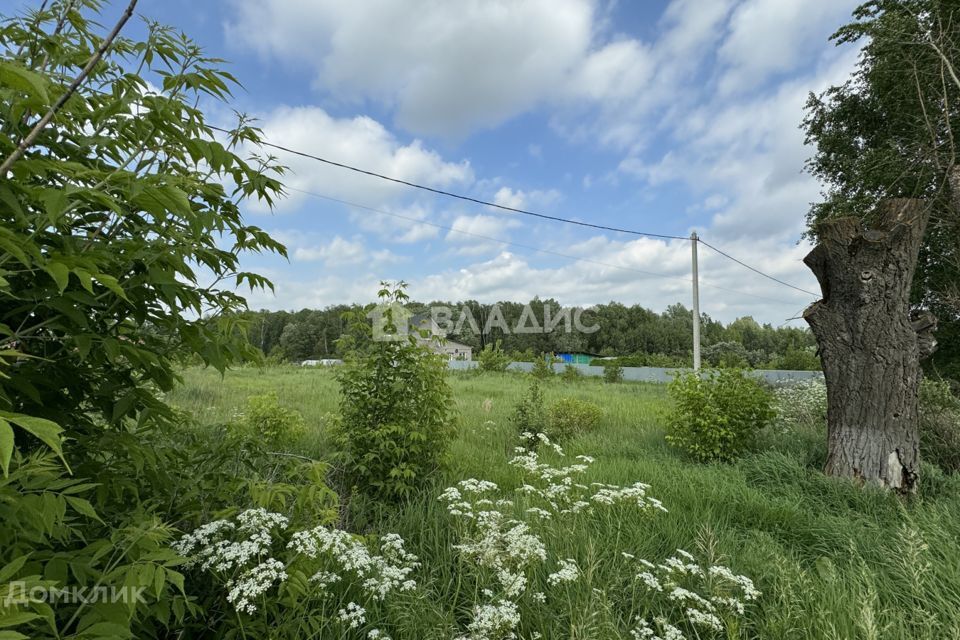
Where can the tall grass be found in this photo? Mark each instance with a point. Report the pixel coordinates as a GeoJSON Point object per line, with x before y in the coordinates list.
{"type": "Point", "coordinates": [833, 560]}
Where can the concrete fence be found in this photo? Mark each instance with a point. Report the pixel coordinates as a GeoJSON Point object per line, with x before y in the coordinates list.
{"type": "Point", "coordinates": [644, 374]}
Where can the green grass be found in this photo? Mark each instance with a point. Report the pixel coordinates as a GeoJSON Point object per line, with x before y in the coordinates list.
{"type": "Point", "coordinates": [833, 560]}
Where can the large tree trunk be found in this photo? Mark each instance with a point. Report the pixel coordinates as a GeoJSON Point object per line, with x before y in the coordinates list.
{"type": "Point", "coordinates": [869, 346]}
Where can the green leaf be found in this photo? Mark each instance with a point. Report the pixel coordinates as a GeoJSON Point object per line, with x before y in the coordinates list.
{"type": "Point", "coordinates": [60, 274]}
{"type": "Point", "coordinates": [83, 507]}
{"type": "Point", "coordinates": [13, 635]}
{"type": "Point", "coordinates": [22, 79]}
{"type": "Point", "coordinates": [84, 277]}
{"type": "Point", "coordinates": [16, 618]}
{"type": "Point", "coordinates": [6, 445]}
{"type": "Point", "coordinates": [45, 430]}
{"type": "Point", "coordinates": [112, 284]}
{"type": "Point", "coordinates": [11, 568]}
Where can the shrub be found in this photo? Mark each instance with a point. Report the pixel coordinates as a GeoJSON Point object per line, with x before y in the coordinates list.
{"type": "Point", "coordinates": [717, 414]}
{"type": "Point", "coordinates": [612, 373]}
{"type": "Point", "coordinates": [530, 415]}
{"type": "Point", "coordinates": [570, 417]}
{"type": "Point", "coordinates": [396, 409]}
{"type": "Point", "coordinates": [543, 367]}
{"type": "Point", "coordinates": [940, 425]}
{"type": "Point", "coordinates": [492, 358]}
{"type": "Point", "coordinates": [571, 373]}
{"type": "Point", "coordinates": [274, 424]}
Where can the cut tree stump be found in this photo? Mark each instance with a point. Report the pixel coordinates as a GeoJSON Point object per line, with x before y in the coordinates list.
{"type": "Point", "coordinates": [869, 345]}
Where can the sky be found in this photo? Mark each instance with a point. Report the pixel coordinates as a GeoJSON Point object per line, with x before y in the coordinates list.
{"type": "Point", "coordinates": [658, 116]}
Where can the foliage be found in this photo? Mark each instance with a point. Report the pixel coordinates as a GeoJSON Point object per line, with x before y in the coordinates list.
{"type": "Point", "coordinates": [269, 422]}
{"type": "Point", "coordinates": [612, 373]}
{"type": "Point", "coordinates": [396, 412]}
{"type": "Point", "coordinates": [717, 414]}
{"type": "Point", "coordinates": [705, 597]}
{"type": "Point", "coordinates": [272, 581]}
{"type": "Point", "coordinates": [501, 548]}
{"type": "Point", "coordinates": [570, 417]}
{"type": "Point", "coordinates": [120, 249]}
{"type": "Point", "coordinates": [939, 425]}
{"type": "Point", "coordinates": [530, 413]}
{"type": "Point", "coordinates": [889, 131]}
{"type": "Point", "coordinates": [492, 358]}
{"type": "Point", "coordinates": [795, 360]}
{"type": "Point", "coordinates": [543, 367]}
{"type": "Point", "coordinates": [65, 571]}
{"type": "Point", "coordinates": [728, 355]}
{"type": "Point", "coordinates": [570, 373]}
{"type": "Point", "coordinates": [641, 337]}
{"type": "Point", "coordinates": [832, 559]}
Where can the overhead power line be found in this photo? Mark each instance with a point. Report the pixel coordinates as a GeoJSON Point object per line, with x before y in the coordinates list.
{"type": "Point", "coordinates": [458, 196]}
{"type": "Point", "coordinates": [530, 247]}
{"type": "Point", "coordinates": [494, 205]}
{"type": "Point", "coordinates": [755, 270]}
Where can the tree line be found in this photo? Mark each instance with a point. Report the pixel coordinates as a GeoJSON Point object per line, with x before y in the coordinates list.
{"type": "Point", "coordinates": [635, 335]}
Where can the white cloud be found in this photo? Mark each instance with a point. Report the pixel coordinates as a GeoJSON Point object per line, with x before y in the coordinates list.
{"type": "Point", "coordinates": [767, 37]}
{"type": "Point", "coordinates": [448, 67]}
{"type": "Point", "coordinates": [359, 141]}
{"type": "Point", "coordinates": [520, 199]}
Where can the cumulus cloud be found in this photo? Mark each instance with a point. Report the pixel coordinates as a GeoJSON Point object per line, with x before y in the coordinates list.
{"type": "Point", "coordinates": [520, 199]}
{"type": "Point", "coordinates": [448, 67]}
{"type": "Point", "coordinates": [359, 141]}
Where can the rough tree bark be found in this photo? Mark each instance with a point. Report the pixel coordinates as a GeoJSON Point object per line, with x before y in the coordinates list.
{"type": "Point", "coordinates": [869, 345]}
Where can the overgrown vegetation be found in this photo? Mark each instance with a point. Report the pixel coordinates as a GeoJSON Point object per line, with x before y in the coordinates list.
{"type": "Point", "coordinates": [612, 373]}
{"type": "Point", "coordinates": [396, 415]}
{"type": "Point", "coordinates": [861, 559]}
{"type": "Point", "coordinates": [940, 425]}
{"type": "Point", "coordinates": [493, 359]}
{"type": "Point", "coordinates": [717, 414]}
{"type": "Point", "coordinates": [568, 418]}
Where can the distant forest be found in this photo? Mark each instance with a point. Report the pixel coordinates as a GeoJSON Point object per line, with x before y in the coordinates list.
{"type": "Point", "coordinates": [636, 336]}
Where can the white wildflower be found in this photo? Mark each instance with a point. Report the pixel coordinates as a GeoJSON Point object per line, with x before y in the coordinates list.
{"type": "Point", "coordinates": [353, 615]}
{"type": "Point", "coordinates": [568, 572]}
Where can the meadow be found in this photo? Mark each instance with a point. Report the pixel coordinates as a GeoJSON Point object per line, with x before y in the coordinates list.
{"type": "Point", "coordinates": [832, 560]}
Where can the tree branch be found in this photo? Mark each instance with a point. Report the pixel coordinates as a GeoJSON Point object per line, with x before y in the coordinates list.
{"type": "Point", "coordinates": [31, 138]}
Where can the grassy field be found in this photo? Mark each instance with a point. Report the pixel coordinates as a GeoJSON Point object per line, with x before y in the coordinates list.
{"type": "Point", "coordinates": [832, 560]}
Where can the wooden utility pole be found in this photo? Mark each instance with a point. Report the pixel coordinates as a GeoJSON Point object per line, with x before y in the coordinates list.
{"type": "Point", "coordinates": [696, 303]}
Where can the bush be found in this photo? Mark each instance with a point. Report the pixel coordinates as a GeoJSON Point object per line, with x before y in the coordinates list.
{"type": "Point", "coordinates": [717, 414]}
{"type": "Point", "coordinates": [543, 367]}
{"type": "Point", "coordinates": [273, 424]}
{"type": "Point", "coordinates": [939, 425]}
{"type": "Point", "coordinates": [570, 417]}
{"type": "Point", "coordinates": [530, 415]}
{"type": "Point", "coordinates": [492, 358]}
{"type": "Point", "coordinates": [571, 373]}
{"type": "Point", "coordinates": [612, 373]}
{"type": "Point", "coordinates": [396, 409]}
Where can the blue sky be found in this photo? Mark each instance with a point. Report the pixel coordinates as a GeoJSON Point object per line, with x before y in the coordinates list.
{"type": "Point", "coordinates": [661, 116]}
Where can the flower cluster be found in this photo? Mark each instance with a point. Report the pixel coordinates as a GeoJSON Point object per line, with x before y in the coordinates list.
{"type": "Point", "coordinates": [242, 550]}
{"type": "Point", "coordinates": [379, 575]}
{"type": "Point", "coordinates": [497, 535]}
{"type": "Point", "coordinates": [801, 404]}
{"type": "Point", "coordinates": [562, 494]}
{"type": "Point", "coordinates": [254, 572]}
{"type": "Point", "coordinates": [704, 597]}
